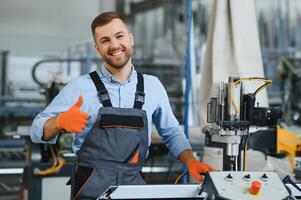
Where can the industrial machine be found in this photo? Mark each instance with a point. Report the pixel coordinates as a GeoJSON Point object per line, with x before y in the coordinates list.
{"type": "Point", "coordinates": [230, 112]}
{"type": "Point", "coordinates": [48, 165]}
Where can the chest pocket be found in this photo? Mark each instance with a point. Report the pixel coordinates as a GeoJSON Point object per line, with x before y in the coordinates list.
{"type": "Point", "coordinates": [121, 121]}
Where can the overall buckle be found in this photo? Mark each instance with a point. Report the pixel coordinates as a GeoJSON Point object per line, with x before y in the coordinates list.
{"type": "Point", "coordinates": [140, 96]}
{"type": "Point", "coordinates": [103, 95]}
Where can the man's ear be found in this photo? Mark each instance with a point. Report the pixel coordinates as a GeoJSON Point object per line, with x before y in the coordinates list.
{"type": "Point", "coordinates": [96, 47]}
{"type": "Point", "coordinates": [132, 39]}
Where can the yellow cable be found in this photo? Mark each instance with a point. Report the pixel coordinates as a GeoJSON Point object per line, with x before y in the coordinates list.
{"type": "Point", "coordinates": [58, 163]}
{"type": "Point", "coordinates": [232, 99]}
{"type": "Point", "coordinates": [179, 177]}
{"type": "Point", "coordinates": [39, 172]}
{"type": "Point", "coordinates": [52, 169]}
{"type": "Point", "coordinates": [263, 87]}
{"type": "Point", "coordinates": [247, 79]}
{"type": "Point", "coordinates": [254, 79]}
{"type": "Point", "coordinates": [55, 160]}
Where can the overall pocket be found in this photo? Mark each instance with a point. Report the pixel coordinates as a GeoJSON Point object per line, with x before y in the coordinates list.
{"type": "Point", "coordinates": [81, 178]}
{"type": "Point", "coordinates": [90, 183]}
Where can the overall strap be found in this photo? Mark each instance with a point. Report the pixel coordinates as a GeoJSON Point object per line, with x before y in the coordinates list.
{"type": "Point", "coordinates": [139, 96]}
{"type": "Point", "coordinates": [102, 92]}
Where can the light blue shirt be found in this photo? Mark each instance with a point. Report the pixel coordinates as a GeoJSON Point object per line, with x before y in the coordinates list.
{"type": "Point", "coordinates": [122, 95]}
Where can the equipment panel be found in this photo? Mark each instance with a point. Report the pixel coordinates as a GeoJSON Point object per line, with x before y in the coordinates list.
{"type": "Point", "coordinates": [237, 185]}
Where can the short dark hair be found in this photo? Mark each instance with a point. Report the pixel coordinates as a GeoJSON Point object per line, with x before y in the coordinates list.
{"type": "Point", "coordinates": [105, 18]}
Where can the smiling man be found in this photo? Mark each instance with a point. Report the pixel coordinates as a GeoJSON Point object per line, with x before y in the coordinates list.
{"type": "Point", "coordinates": [112, 111]}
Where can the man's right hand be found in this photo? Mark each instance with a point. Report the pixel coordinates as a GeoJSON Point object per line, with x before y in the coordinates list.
{"type": "Point", "coordinates": [73, 120]}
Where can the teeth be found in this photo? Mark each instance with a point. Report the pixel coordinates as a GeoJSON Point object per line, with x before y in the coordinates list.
{"type": "Point", "coordinates": [116, 53]}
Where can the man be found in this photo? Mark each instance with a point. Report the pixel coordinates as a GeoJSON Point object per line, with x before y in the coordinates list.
{"type": "Point", "coordinates": [112, 111]}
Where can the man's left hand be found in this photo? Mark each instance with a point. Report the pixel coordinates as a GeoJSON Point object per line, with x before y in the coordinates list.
{"type": "Point", "coordinates": [195, 169]}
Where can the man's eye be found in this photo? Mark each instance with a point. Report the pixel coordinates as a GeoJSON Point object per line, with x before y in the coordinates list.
{"type": "Point", "coordinates": [103, 41]}
{"type": "Point", "coordinates": [120, 36]}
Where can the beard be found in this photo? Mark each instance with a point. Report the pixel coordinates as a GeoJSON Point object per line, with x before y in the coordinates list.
{"type": "Point", "coordinates": [118, 64]}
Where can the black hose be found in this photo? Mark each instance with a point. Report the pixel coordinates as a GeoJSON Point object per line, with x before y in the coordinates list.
{"type": "Point", "coordinates": [35, 66]}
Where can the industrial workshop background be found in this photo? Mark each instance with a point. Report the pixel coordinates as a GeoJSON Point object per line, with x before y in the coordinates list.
{"type": "Point", "coordinates": [45, 44]}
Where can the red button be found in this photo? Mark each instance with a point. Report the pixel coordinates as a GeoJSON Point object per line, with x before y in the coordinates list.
{"type": "Point", "coordinates": [255, 187]}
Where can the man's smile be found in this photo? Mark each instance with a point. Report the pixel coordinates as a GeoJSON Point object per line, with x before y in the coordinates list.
{"type": "Point", "coordinates": [117, 53]}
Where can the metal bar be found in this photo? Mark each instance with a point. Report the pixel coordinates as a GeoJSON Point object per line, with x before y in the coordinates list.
{"type": "Point", "coordinates": [3, 72]}
{"type": "Point", "coordinates": [14, 99]}
{"type": "Point", "coordinates": [153, 192]}
{"type": "Point", "coordinates": [155, 169]}
{"type": "Point", "coordinates": [11, 171]}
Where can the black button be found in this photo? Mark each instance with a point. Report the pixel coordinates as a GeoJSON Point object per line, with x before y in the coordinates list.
{"type": "Point", "coordinates": [264, 176]}
{"type": "Point", "coordinates": [229, 176]}
{"type": "Point", "coordinates": [247, 176]}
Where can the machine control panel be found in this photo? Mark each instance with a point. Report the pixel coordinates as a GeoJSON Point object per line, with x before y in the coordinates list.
{"type": "Point", "coordinates": [237, 185]}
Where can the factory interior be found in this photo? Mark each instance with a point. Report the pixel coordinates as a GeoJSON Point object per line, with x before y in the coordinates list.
{"type": "Point", "coordinates": [231, 70]}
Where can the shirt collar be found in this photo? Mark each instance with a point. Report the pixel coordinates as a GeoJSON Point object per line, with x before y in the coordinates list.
{"type": "Point", "coordinates": [107, 75]}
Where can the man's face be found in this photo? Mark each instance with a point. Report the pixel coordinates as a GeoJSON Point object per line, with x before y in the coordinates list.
{"type": "Point", "coordinates": [114, 43]}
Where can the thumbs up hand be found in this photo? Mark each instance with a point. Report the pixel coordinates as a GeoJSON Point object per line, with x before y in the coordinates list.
{"type": "Point", "coordinates": [73, 120]}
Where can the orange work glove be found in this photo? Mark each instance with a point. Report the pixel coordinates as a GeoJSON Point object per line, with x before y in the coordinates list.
{"type": "Point", "coordinates": [195, 169]}
{"type": "Point", "coordinates": [73, 120]}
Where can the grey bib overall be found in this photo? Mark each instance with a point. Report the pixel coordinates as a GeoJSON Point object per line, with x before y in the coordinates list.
{"type": "Point", "coordinates": [115, 149]}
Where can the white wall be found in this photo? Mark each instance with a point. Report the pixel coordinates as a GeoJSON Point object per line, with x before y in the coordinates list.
{"type": "Point", "coordinates": [43, 27]}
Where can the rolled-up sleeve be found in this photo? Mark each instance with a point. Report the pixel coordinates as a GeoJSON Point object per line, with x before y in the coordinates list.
{"type": "Point", "coordinates": [167, 125]}
{"type": "Point", "coordinates": [61, 103]}
{"type": "Point", "coordinates": [37, 128]}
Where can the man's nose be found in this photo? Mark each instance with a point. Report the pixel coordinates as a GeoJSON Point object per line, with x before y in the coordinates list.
{"type": "Point", "coordinates": [115, 43]}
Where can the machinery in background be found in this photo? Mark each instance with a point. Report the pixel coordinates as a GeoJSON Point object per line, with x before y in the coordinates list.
{"type": "Point", "coordinates": [49, 164]}
{"type": "Point", "coordinates": [12, 163]}
{"type": "Point", "coordinates": [44, 172]}
{"type": "Point", "coordinates": [285, 139]}
{"type": "Point", "coordinates": [289, 131]}
{"type": "Point", "coordinates": [3, 71]}
{"type": "Point", "coordinates": [230, 112]}
{"type": "Point", "coordinates": [290, 72]}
